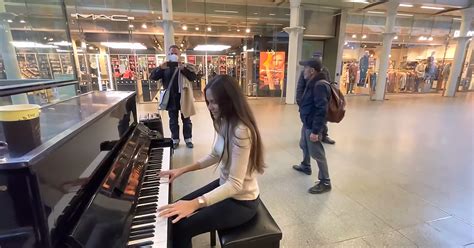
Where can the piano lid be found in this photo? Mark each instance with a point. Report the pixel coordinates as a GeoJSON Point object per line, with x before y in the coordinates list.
{"type": "Point", "coordinates": [59, 122]}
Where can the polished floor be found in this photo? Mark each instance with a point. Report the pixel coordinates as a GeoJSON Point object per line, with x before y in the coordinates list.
{"type": "Point", "coordinates": [402, 173]}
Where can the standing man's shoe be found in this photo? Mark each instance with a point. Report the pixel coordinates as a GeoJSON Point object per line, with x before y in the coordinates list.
{"type": "Point", "coordinates": [328, 140]}
{"type": "Point", "coordinates": [321, 187]}
{"type": "Point", "coordinates": [175, 145]}
{"type": "Point", "coordinates": [303, 168]}
{"type": "Point", "coordinates": [189, 144]}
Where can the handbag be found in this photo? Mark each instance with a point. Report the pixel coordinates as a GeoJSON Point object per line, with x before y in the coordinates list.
{"type": "Point", "coordinates": [165, 94]}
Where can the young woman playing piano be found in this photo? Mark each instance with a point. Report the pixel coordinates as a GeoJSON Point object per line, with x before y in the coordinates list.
{"type": "Point", "coordinates": [230, 200]}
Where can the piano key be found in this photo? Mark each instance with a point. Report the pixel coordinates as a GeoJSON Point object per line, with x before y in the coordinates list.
{"type": "Point", "coordinates": [144, 208]}
{"type": "Point", "coordinates": [141, 244]}
{"type": "Point", "coordinates": [140, 232]}
{"type": "Point", "coordinates": [141, 236]}
{"type": "Point", "coordinates": [142, 222]}
{"type": "Point", "coordinates": [151, 184]}
{"type": "Point", "coordinates": [148, 193]}
{"type": "Point", "coordinates": [142, 227]}
{"type": "Point", "coordinates": [143, 218]}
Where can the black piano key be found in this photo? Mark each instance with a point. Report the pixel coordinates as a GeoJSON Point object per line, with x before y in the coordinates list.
{"type": "Point", "coordinates": [140, 232]}
{"type": "Point", "coordinates": [142, 209]}
{"type": "Point", "coordinates": [151, 179]}
{"type": "Point", "coordinates": [143, 228]}
{"type": "Point", "coordinates": [154, 189]}
{"type": "Point", "coordinates": [141, 222]}
{"type": "Point", "coordinates": [145, 185]}
{"type": "Point", "coordinates": [142, 244]}
{"type": "Point", "coordinates": [153, 205]}
{"type": "Point", "coordinates": [141, 236]}
{"type": "Point", "coordinates": [148, 193]}
{"type": "Point", "coordinates": [149, 211]}
{"type": "Point", "coordinates": [147, 200]}
{"type": "Point", "coordinates": [151, 217]}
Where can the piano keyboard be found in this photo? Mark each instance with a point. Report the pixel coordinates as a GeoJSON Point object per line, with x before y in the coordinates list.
{"type": "Point", "coordinates": [148, 229]}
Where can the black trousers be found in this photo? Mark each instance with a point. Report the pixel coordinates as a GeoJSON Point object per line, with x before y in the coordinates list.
{"type": "Point", "coordinates": [324, 131]}
{"type": "Point", "coordinates": [174, 125]}
{"type": "Point", "coordinates": [222, 215]}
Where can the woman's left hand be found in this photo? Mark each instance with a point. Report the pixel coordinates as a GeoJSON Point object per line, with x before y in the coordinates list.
{"type": "Point", "coordinates": [180, 209]}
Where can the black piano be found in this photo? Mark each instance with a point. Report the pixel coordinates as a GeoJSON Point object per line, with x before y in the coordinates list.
{"type": "Point", "coordinates": [91, 183]}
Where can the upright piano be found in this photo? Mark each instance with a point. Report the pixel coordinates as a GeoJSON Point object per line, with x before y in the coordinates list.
{"type": "Point", "coordinates": [93, 182]}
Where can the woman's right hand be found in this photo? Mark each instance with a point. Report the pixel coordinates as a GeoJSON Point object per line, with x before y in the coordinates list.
{"type": "Point", "coordinates": [173, 174]}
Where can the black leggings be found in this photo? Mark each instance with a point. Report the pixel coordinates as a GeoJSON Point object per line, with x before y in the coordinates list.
{"type": "Point", "coordinates": [222, 215]}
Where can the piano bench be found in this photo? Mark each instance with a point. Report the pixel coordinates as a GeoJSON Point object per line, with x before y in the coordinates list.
{"type": "Point", "coordinates": [260, 232]}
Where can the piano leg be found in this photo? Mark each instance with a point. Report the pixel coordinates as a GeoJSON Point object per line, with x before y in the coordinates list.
{"type": "Point", "coordinates": [213, 238]}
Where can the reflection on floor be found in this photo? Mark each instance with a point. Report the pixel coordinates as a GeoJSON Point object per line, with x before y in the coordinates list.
{"type": "Point", "coordinates": [402, 173]}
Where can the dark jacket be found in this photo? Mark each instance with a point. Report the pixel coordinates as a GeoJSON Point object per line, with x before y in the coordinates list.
{"type": "Point", "coordinates": [165, 75]}
{"type": "Point", "coordinates": [314, 103]}
{"type": "Point", "coordinates": [302, 84]}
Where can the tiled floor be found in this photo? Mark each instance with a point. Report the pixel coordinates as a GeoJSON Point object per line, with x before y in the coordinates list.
{"type": "Point", "coordinates": [402, 173]}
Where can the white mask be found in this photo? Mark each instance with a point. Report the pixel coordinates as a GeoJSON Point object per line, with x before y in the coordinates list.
{"type": "Point", "coordinates": [173, 58]}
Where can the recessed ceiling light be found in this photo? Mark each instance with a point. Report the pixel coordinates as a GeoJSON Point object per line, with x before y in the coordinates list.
{"type": "Point", "coordinates": [226, 11]}
{"type": "Point", "coordinates": [130, 26]}
{"type": "Point", "coordinates": [51, 39]}
{"type": "Point", "coordinates": [395, 38]}
{"type": "Point", "coordinates": [217, 48]}
{"type": "Point", "coordinates": [354, 36]}
{"type": "Point", "coordinates": [364, 36]}
{"type": "Point", "coordinates": [123, 45]}
{"type": "Point", "coordinates": [247, 30]}
{"type": "Point", "coordinates": [185, 27]}
{"type": "Point", "coordinates": [209, 29]}
{"type": "Point", "coordinates": [432, 7]}
{"type": "Point", "coordinates": [376, 12]}
{"type": "Point", "coordinates": [238, 30]}
{"type": "Point", "coordinates": [9, 21]}
{"type": "Point", "coordinates": [22, 21]}
{"type": "Point", "coordinates": [144, 25]}
{"type": "Point", "coordinates": [406, 5]}
{"type": "Point", "coordinates": [271, 14]}
{"type": "Point", "coordinates": [255, 13]}
{"type": "Point", "coordinates": [403, 14]}
{"type": "Point", "coordinates": [196, 28]}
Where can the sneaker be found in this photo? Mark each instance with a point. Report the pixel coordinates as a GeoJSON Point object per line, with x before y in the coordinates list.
{"type": "Point", "coordinates": [175, 145]}
{"type": "Point", "coordinates": [328, 140]}
{"type": "Point", "coordinates": [319, 188]}
{"type": "Point", "coordinates": [189, 144]}
{"type": "Point", "coordinates": [303, 168]}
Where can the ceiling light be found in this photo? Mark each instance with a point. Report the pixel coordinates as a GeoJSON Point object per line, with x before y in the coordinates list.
{"type": "Point", "coordinates": [62, 43]}
{"type": "Point", "coordinates": [247, 30]}
{"type": "Point", "coordinates": [430, 38]}
{"type": "Point", "coordinates": [457, 19]}
{"type": "Point", "coordinates": [9, 21]}
{"type": "Point", "coordinates": [29, 44]}
{"type": "Point", "coordinates": [422, 38]}
{"type": "Point", "coordinates": [91, 48]}
{"type": "Point", "coordinates": [354, 36]}
{"type": "Point", "coordinates": [196, 28]}
{"type": "Point", "coordinates": [406, 5]}
{"type": "Point", "coordinates": [376, 12]}
{"type": "Point", "coordinates": [45, 38]}
{"type": "Point", "coordinates": [255, 13]}
{"type": "Point", "coordinates": [226, 11]}
{"type": "Point", "coordinates": [144, 25]}
{"type": "Point", "coordinates": [182, 45]}
{"type": "Point", "coordinates": [130, 26]}
{"type": "Point", "coordinates": [22, 21]}
{"type": "Point", "coordinates": [271, 14]}
{"type": "Point", "coordinates": [209, 29]}
{"type": "Point", "coordinates": [287, 14]}
{"type": "Point", "coordinates": [123, 45]}
{"type": "Point", "coordinates": [238, 30]}
{"type": "Point", "coordinates": [402, 14]}
{"type": "Point", "coordinates": [216, 48]}
{"type": "Point", "coordinates": [357, 1]}
{"type": "Point", "coordinates": [364, 36]}
{"type": "Point", "coordinates": [395, 38]}
{"type": "Point", "coordinates": [345, 43]}
{"type": "Point", "coordinates": [432, 7]}
{"type": "Point", "coordinates": [50, 39]}
{"type": "Point", "coordinates": [184, 27]}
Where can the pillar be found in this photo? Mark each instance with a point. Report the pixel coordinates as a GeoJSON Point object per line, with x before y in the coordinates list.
{"type": "Point", "coordinates": [458, 59]}
{"type": "Point", "coordinates": [341, 35]}
{"type": "Point", "coordinates": [168, 29]}
{"type": "Point", "coordinates": [295, 32]}
{"type": "Point", "coordinates": [388, 36]}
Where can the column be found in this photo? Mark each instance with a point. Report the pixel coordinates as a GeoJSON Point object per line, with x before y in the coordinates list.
{"type": "Point", "coordinates": [341, 33]}
{"type": "Point", "coordinates": [6, 48]}
{"type": "Point", "coordinates": [168, 29]}
{"type": "Point", "coordinates": [388, 36]}
{"type": "Point", "coordinates": [458, 60]}
{"type": "Point", "coordinates": [295, 32]}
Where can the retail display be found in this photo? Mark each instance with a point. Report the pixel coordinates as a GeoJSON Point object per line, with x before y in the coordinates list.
{"type": "Point", "coordinates": [28, 66]}
{"type": "Point", "coordinates": [55, 63]}
{"type": "Point", "coordinates": [66, 63]}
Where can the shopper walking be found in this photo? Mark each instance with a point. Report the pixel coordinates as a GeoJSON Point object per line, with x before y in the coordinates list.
{"type": "Point", "coordinates": [231, 200]}
{"type": "Point", "coordinates": [301, 85]}
{"type": "Point", "coordinates": [313, 110]}
{"type": "Point", "coordinates": [172, 72]}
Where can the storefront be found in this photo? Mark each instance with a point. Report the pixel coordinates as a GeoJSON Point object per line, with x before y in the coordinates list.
{"type": "Point", "coordinates": [420, 59]}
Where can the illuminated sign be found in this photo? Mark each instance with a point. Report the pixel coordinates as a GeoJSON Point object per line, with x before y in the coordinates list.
{"type": "Point", "coordinates": [115, 18]}
{"type": "Point", "coordinates": [469, 33]}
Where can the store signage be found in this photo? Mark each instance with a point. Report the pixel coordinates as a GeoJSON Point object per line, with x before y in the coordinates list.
{"type": "Point", "coordinates": [469, 33]}
{"type": "Point", "coordinates": [115, 18]}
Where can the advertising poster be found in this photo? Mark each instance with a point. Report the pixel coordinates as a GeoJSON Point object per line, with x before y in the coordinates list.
{"type": "Point", "coordinates": [272, 70]}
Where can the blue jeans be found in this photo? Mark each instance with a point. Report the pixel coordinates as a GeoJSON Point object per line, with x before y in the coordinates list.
{"type": "Point", "coordinates": [316, 151]}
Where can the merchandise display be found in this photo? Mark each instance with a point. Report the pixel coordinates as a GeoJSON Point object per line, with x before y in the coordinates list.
{"type": "Point", "coordinates": [3, 74]}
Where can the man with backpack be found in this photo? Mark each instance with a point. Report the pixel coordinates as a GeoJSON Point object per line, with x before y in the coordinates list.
{"type": "Point", "coordinates": [313, 108]}
{"type": "Point", "coordinates": [299, 92]}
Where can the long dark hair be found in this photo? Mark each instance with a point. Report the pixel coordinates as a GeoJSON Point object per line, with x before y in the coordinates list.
{"type": "Point", "coordinates": [234, 108]}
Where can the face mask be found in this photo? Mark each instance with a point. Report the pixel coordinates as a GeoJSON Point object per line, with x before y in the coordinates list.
{"type": "Point", "coordinates": [173, 58]}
